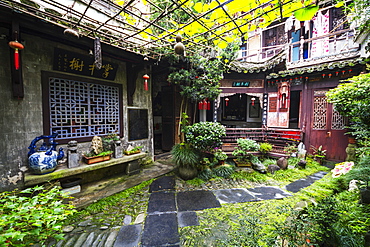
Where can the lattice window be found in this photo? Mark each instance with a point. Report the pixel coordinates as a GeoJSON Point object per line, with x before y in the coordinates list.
{"type": "Point", "coordinates": [83, 109]}
{"type": "Point", "coordinates": [319, 112]}
{"type": "Point", "coordinates": [338, 122]}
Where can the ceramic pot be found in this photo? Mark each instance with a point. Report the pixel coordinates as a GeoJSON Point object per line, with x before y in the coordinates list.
{"type": "Point", "coordinates": [187, 172]}
{"type": "Point", "coordinates": [43, 162]}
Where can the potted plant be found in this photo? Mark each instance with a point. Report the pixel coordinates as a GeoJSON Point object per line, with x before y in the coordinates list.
{"type": "Point", "coordinates": [319, 154]}
{"type": "Point", "coordinates": [97, 152]}
{"type": "Point", "coordinates": [187, 160]}
{"type": "Point", "coordinates": [244, 151]}
{"type": "Point", "coordinates": [91, 158]}
{"type": "Point", "coordinates": [221, 156]}
{"type": "Point", "coordinates": [133, 150]}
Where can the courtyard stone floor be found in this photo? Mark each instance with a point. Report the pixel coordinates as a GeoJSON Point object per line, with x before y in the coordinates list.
{"type": "Point", "coordinates": [172, 205]}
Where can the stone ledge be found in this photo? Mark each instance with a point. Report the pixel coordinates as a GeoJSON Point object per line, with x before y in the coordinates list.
{"type": "Point", "coordinates": [63, 171]}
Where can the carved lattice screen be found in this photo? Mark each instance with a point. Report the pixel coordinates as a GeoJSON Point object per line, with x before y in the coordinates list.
{"type": "Point", "coordinates": [320, 107]}
{"type": "Point", "coordinates": [83, 109]}
{"type": "Point", "coordinates": [338, 122]}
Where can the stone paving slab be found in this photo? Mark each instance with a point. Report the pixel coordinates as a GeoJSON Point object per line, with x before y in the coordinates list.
{"type": "Point", "coordinates": [196, 200]}
{"type": "Point", "coordinates": [234, 196]}
{"type": "Point", "coordinates": [163, 184]}
{"type": "Point", "coordinates": [161, 230]}
{"type": "Point", "coordinates": [187, 218]}
{"type": "Point", "coordinates": [128, 236]}
{"type": "Point", "coordinates": [304, 182]}
{"type": "Point", "coordinates": [161, 202]}
{"type": "Point", "coordinates": [268, 193]}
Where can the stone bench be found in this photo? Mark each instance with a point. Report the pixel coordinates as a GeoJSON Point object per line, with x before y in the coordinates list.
{"type": "Point", "coordinates": [128, 165]}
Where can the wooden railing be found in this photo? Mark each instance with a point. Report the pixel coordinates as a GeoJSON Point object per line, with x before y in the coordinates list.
{"type": "Point", "coordinates": [338, 42]}
{"type": "Point", "coordinates": [278, 138]}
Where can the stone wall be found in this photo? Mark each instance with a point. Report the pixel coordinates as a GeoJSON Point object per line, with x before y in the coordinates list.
{"type": "Point", "coordinates": [21, 120]}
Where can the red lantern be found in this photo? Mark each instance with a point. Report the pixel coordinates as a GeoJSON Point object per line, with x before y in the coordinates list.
{"type": "Point", "coordinates": [227, 101]}
{"type": "Point", "coordinates": [200, 105]}
{"type": "Point", "coordinates": [208, 105]}
{"type": "Point", "coordinates": [253, 99]}
{"type": "Point", "coordinates": [16, 46]}
{"type": "Point", "coordinates": [329, 75]}
{"type": "Point", "coordinates": [146, 77]}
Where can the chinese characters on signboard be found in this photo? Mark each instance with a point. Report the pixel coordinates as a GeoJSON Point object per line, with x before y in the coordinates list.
{"type": "Point", "coordinates": [241, 84]}
{"type": "Point", "coordinates": [76, 63]}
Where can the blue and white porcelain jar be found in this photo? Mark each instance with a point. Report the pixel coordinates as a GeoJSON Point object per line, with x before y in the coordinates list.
{"type": "Point", "coordinates": [45, 159]}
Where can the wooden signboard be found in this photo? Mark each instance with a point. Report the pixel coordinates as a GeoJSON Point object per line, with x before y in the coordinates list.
{"type": "Point", "coordinates": [75, 63]}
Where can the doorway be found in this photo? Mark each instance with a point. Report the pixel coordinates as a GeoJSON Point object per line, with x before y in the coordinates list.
{"type": "Point", "coordinates": [327, 127]}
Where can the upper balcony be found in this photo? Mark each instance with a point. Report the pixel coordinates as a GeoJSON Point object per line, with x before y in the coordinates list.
{"type": "Point", "coordinates": [327, 38]}
{"type": "Point", "coordinates": [330, 47]}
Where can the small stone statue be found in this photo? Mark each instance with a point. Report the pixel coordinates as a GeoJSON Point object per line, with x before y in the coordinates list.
{"type": "Point", "coordinates": [351, 152]}
{"type": "Point", "coordinates": [72, 155]}
{"type": "Point", "coordinates": [118, 149]}
{"type": "Point", "coordinates": [301, 150]}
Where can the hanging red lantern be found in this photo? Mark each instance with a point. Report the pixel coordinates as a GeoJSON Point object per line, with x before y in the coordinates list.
{"type": "Point", "coordinates": [200, 105]}
{"type": "Point", "coordinates": [227, 101]}
{"type": "Point", "coordinates": [208, 105]}
{"type": "Point", "coordinates": [253, 99]}
{"type": "Point", "coordinates": [329, 75]}
{"type": "Point", "coordinates": [323, 75]}
{"type": "Point", "coordinates": [204, 105]}
{"type": "Point", "coordinates": [343, 71]}
{"type": "Point", "coordinates": [336, 73]}
{"type": "Point", "coordinates": [146, 77]}
{"type": "Point", "coordinates": [16, 46]}
{"type": "Point", "coordinates": [350, 70]}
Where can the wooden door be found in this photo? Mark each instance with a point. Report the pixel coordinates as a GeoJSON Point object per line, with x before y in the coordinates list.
{"type": "Point", "coordinates": [327, 128]}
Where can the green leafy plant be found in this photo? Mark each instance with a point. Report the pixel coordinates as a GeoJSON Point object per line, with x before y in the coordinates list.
{"type": "Point", "coordinates": [290, 149]}
{"type": "Point", "coordinates": [265, 147]}
{"type": "Point", "coordinates": [32, 216]}
{"type": "Point", "coordinates": [205, 136]}
{"type": "Point", "coordinates": [319, 153]}
{"type": "Point", "coordinates": [205, 174]}
{"type": "Point", "coordinates": [184, 155]}
{"type": "Point", "coordinates": [223, 171]}
{"type": "Point", "coordinates": [91, 154]}
{"type": "Point", "coordinates": [245, 146]}
{"type": "Point", "coordinates": [220, 155]}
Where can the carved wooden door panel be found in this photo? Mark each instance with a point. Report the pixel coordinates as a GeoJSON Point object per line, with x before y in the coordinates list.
{"type": "Point", "coordinates": [278, 107]}
{"type": "Point", "coordinates": [327, 128]}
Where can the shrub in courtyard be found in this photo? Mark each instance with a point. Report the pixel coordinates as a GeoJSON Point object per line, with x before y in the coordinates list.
{"type": "Point", "coordinates": [223, 171]}
{"type": "Point", "coordinates": [205, 136]}
{"type": "Point", "coordinates": [242, 151]}
{"type": "Point", "coordinates": [32, 216]}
